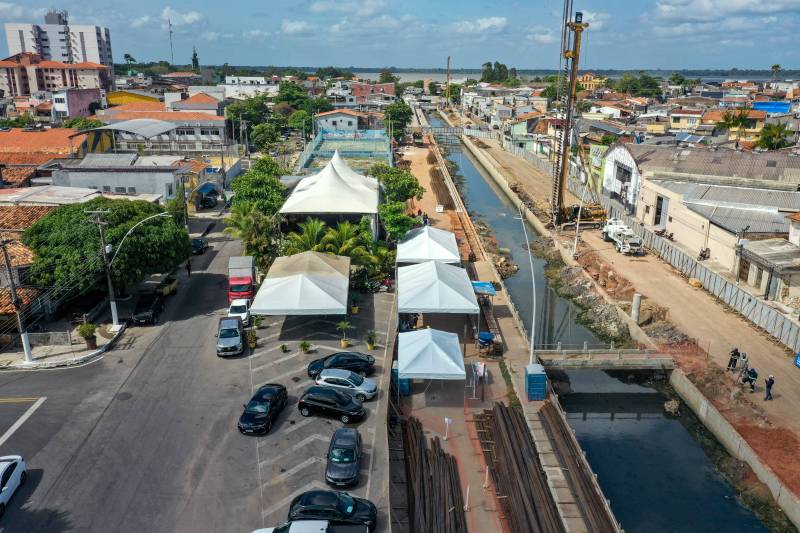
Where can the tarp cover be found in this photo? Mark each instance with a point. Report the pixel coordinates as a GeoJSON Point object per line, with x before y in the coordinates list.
{"type": "Point", "coordinates": [309, 283]}
{"type": "Point", "coordinates": [429, 354]}
{"type": "Point", "coordinates": [428, 243]}
{"type": "Point", "coordinates": [434, 287]}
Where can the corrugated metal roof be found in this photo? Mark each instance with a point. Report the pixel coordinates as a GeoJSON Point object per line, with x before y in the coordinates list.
{"type": "Point", "coordinates": [144, 127]}
{"type": "Point", "coordinates": [734, 219]}
{"type": "Point", "coordinates": [108, 160]}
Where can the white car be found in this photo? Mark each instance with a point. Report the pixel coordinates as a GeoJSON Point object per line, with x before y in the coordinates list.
{"type": "Point", "coordinates": [13, 473]}
{"type": "Point", "coordinates": [313, 526]}
{"type": "Point", "coordinates": [348, 382]}
{"type": "Point", "coordinates": [240, 308]}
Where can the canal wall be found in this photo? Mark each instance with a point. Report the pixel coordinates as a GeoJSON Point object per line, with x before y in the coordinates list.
{"type": "Point", "coordinates": [734, 443]}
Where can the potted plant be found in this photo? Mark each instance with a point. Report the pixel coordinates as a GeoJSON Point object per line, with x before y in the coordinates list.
{"type": "Point", "coordinates": [284, 348]}
{"type": "Point", "coordinates": [343, 326]}
{"type": "Point", "coordinates": [257, 321]}
{"type": "Point", "coordinates": [305, 346]}
{"type": "Point", "coordinates": [354, 305]}
{"type": "Point", "coordinates": [252, 338]}
{"type": "Point", "coordinates": [87, 331]}
{"type": "Point", "coordinates": [370, 339]}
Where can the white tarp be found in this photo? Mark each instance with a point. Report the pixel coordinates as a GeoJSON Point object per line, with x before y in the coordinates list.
{"type": "Point", "coordinates": [434, 287]}
{"type": "Point", "coordinates": [429, 354]}
{"type": "Point", "coordinates": [428, 244]}
{"type": "Point", "coordinates": [336, 189]}
{"type": "Point", "coordinates": [309, 283]}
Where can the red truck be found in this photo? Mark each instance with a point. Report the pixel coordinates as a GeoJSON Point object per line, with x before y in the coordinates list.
{"type": "Point", "coordinates": [241, 278]}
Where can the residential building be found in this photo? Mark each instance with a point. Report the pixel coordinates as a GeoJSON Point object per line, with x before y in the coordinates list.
{"type": "Point", "coordinates": [14, 219]}
{"type": "Point", "coordinates": [58, 40]}
{"type": "Point", "coordinates": [750, 132]}
{"type": "Point", "coordinates": [191, 131]}
{"type": "Point", "coordinates": [772, 267]}
{"type": "Point", "coordinates": [377, 91]}
{"type": "Point", "coordinates": [46, 195]}
{"type": "Point", "coordinates": [181, 78]}
{"type": "Point", "coordinates": [27, 73]}
{"type": "Point", "coordinates": [69, 103]}
{"type": "Point", "coordinates": [520, 132]}
{"type": "Point", "coordinates": [683, 120]}
{"type": "Point", "coordinates": [18, 144]}
{"type": "Point", "coordinates": [346, 120]}
{"type": "Point", "coordinates": [127, 96]}
{"type": "Point", "coordinates": [199, 102]}
{"type": "Point", "coordinates": [591, 82]}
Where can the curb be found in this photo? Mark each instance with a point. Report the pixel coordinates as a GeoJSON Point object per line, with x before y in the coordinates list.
{"type": "Point", "coordinates": [75, 361]}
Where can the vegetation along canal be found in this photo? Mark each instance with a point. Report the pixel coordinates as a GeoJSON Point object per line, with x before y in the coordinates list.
{"type": "Point", "coordinates": [649, 465]}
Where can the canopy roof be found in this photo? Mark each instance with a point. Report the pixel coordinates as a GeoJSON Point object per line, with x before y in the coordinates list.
{"type": "Point", "coordinates": [336, 189]}
{"type": "Point", "coordinates": [434, 287]}
{"type": "Point", "coordinates": [308, 283]}
{"type": "Point", "coordinates": [429, 354]}
{"type": "Point", "coordinates": [143, 127]}
{"type": "Point", "coordinates": [428, 243]}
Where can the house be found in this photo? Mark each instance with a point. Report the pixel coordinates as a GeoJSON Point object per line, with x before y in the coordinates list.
{"type": "Point", "coordinates": [520, 131]}
{"type": "Point", "coordinates": [46, 195]}
{"type": "Point", "coordinates": [181, 78]}
{"type": "Point", "coordinates": [346, 120]}
{"type": "Point", "coordinates": [772, 267]}
{"type": "Point", "coordinates": [591, 82]}
{"type": "Point", "coordinates": [750, 132]}
{"type": "Point", "coordinates": [14, 219]}
{"type": "Point", "coordinates": [45, 143]}
{"type": "Point", "coordinates": [684, 120]}
{"type": "Point", "coordinates": [69, 103]}
{"type": "Point", "coordinates": [27, 73]}
{"type": "Point", "coordinates": [373, 92]}
{"type": "Point", "coordinates": [200, 102]}
{"type": "Point", "coordinates": [500, 114]}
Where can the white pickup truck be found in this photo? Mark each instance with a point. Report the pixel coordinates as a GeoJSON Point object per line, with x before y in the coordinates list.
{"type": "Point", "coordinates": [625, 240]}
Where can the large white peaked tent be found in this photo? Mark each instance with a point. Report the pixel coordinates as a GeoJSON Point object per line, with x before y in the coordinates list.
{"type": "Point", "coordinates": [429, 354]}
{"type": "Point", "coordinates": [434, 287]}
{"type": "Point", "coordinates": [428, 244]}
{"type": "Point", "coordinates": [308, 283]}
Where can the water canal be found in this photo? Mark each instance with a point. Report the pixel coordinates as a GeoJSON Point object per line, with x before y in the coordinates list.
{"type": "Point", "coordinates": [656, 475]}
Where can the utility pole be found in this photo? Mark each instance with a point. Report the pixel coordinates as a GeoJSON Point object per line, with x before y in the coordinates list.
{"type": "Point", "coordinates": [104, 249]}
{"type": "Point", "coordinates": [26, 345]}
{"type": "Point", "coordinates": [171, 52]}
{"type": "Point", "coordinates": [447, 90]}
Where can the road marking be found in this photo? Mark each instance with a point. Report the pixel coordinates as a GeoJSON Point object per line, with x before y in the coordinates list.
{"type": "Point", "coordinates": [21, 420]}
{"type": "Point", "coordinates": [18, 400]}
{"type": "Point", "coordinates": [276, 361]}
{"type": "Point", "coordinates": [281, 377]}
{"type": "Point", "coordinates": [258, 454]}
{"type": "Point", "coordinates": [298, 446]}
{"type": "Point", "coordinates": [318, 485]}
{"type": "Point", "coordinates": [283, 476]}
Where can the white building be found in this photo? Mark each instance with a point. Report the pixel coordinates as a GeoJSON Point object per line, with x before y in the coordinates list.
{"type": "Point", "coordinates": [57, 40]}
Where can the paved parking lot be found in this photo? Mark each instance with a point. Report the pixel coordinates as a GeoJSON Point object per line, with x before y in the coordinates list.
{"type": "Point", "coordinates": [291, 459]}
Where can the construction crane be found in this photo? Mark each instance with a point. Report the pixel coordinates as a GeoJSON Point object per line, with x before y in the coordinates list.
{"type": "Point", "coordinates": [571, 54]}
{"type": "Point", "coordinates": [447, 89]}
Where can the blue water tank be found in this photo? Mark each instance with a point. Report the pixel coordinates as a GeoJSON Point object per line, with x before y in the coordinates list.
{"type": "Point", "coordinates": [535, 382]}
{"type": "Point", "coordinates": [404, 384]}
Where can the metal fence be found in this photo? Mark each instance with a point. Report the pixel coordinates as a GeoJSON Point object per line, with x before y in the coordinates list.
{"type": "Point", "coordinates": [457, 132]}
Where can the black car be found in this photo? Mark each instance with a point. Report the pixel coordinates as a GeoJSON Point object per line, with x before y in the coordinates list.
{"type": "Point", "coordinates": [149, 305]}
{"type": "Point", "coordinates": [199, 246]}
{"type": "Point", "coordinates": [330, 402]}
{"type": "Point", "coordinates": [337, 507]}
{"type": "Point", "coordinates": [354, 361]}
{"type": "Point", "coordinates": [344, 458]}
{"type": "Point", "coordinates": [208, 201]}
{"type": "Point", "coordinates": [262, 409]}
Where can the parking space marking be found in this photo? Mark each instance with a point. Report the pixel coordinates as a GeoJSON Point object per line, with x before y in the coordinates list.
{"type": "Point", "coordinates": [277, 361]}
{"type": "Point", "coordinates": [299, 446]}
{"type": "Point", "coordinates": [18, 400]}
{"type": "Point", "coordinates": [281, 377]}
{"type": "Point", "coordinates": [293, 470]}
{"type": "Point", "coordinates": [21, 420]}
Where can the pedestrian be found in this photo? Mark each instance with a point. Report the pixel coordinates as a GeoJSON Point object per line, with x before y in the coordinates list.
{"type": "Point", "coordinates": [751, 378]}
{"type": "Point", "coordinates": [770, 383]}
{"type": "Point", "coordinates": [189, 267]}
{"type": "Point", "coordinates": [425, 219]}
{"type": "Point", "coordinates": [745, 364]}
{"type": "Point", "coordinates": [733, 360]}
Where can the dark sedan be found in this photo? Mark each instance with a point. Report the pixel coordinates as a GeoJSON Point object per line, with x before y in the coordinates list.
{"type": "Point", "coordinates": [199, 246]}
{"type": "Point", "coordinates": [357, 362]}
{"type": "Point", "coordinates": [149, 305]}
{"type": "Point", "coordinates": [337, 507]}
{"type": "Point", "coordinates": [344, 458]}
{"type": "Point", "coordinates": [330, 402]}
{"type": "Point", "coordinates": [262, 409]}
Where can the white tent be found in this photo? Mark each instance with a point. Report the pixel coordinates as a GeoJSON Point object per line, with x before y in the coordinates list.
{"type": "Point", "coordinates": [434, 287]}
{"type": "Point", "coordinates": [429, 354]}
{"type": "Point", "coordinates": [428, 243]}
{"type": "Point", "coordinates": [351, 175]}
{"type": "Point", "coordinates": [309, 283]}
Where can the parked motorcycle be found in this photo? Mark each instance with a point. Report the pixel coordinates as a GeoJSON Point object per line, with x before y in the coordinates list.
{"type": "Point", "coordinates": [663, 233]}
{"type": "Point", "coordinates": [705, 253]}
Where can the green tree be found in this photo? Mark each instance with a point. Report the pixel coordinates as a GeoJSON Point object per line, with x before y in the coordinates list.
{"type": "Point", "coordinates": [309, 238]}
{"type": "Point", "coordinates": [676, 78]}
{"type": "Point", "coordinates": [386, 76]}
{"type": "Point", "coordinates": [316, 105]}
{"type": "Point", "coordinates": [398, 115]}
{"type": "Point", "coordinates": [774, 136]}
{"type": "Point", "coordinates": [260, 186]}
{"type": "Point", "coordinates": [66, 244]}
{"type": "Point", "coordinates": [487, 72]}
{"type": "Point", "coordinates": [129, 60]}
{"type": "Point", "coordinates": [776, 70]}
{"type": "Point", "coordinates": [21, 121]}
{"type": "Point", "coordinates": [512, 72]}
{"type": "Point", "coordinates": [346, 240]}
{"type": "Point", "coordinates": [734, 121]}
{"type": "Point", "coordinates": [395, 221]}
{"type": "Point", "coordinates": [260, 233]}
{"type": "Point", "coordinates": [512, 82]}
{"type": "Point", "coordinates": [644, 85]}
{"type": "Point", "coordinates": [292, 94]}
{"type": "Point", "coordinates": [252, 110]}
{"type": "Point", "coordinates": [264, 136]}
{"type": "Point", "coordinates": [195, 60]}
{"type": "Point", "coordinates": [607, 140]}
{"type": "Point", "coordinates": [500, 72]}
{"type": "Point", "coordinates": [82, 123]}
{"type": "Point", "coordinates": [283, 109]}
{"type": "Point", "coordinates": [399, 185]}
{"type": "Point", "coordinates": [301, 121]}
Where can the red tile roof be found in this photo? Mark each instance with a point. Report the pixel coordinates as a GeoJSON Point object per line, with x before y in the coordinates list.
{"type": "Point", "coordinates": [26, 297]}
{"type": "Point", "coordinates": [19, 254]}
{"type": "Point", "coordinates": [716, 115]}
{"type": "Point", "coordinates": [21, 217]}
{"type": "Point", "coordinates": [18, 176]}
{"type": "Point", "coordinates": [200, 98]}
{"type": "Point", "coordinates": [49, 141]}
{"type": "Point", "coordinates": [26, 159]}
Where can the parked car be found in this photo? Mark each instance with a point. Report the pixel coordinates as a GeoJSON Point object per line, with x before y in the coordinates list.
{"type": "Point", "coordinates": [348, 382]}
{"type": "Point", "coordinates": [262, 409]}
{"type": "Point", "coordinates": [169, 286]}
{"type": "Point", "coordinates": [208, 201]}
{"type": "Point", "coordinates": [199, 246]}
{"type": "Point", "coordinates": [354, 361]}
{"type": "Point", "coordinates": [240, 308]}
{"type": "Point", "coordinates": [230, 336]}
{"type": "Point", "coordinates": [330, 402]}
{"type": "Point", "coordinates": [148, 307]}
{"type": "Point", "coordinates": [313, 526]}
{"type": "Point", "coordinates": [13, 474]}
{"type": "Point", "coordinates": [337, 507]}
{"type": "Point", "coordinates": [344, 458]}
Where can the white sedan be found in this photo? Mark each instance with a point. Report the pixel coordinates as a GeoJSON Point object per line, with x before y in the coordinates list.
{"type": "Point", "coordinates": [13, 473]}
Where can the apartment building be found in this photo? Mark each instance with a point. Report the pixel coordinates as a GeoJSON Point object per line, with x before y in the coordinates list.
{"type": "Point", "coordinates": [27, 73]}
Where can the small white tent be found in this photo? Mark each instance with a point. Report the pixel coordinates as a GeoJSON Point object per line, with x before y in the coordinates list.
{"type": "Point", "coordinates": [434, 287]}
{"type": "Point", "coordinates": [428, 244]}
{"type": "Point", "coordinates": [429, 354]}
{"type": "Point", "coordinates": [308, 283]}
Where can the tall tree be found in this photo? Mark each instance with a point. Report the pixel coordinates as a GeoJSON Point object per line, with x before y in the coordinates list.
{"type": "Point", "coordinates": [301, 121]}
{"type": "Point", "coordinates": [399, 185]}
{"type": "Point", "coordinates": [345, 239]}
{"type": "Point", "coordinates": [195, 60]}
{"type": "Point", "coordinates": [129, 60]}
{"type": "Point", "coordinates": [395, 221]}
{"type": "Point", "coordinates": [386, 76]}
{"type": "Point", "coordinates": [398, 115]}
{"type": "Point", "coordinates": [261, 186]}
{"type": "Point", "coordinates": [776, 70]}
{"type": "Point", "coordinates": [260, 233]}
{"type": "Point", "coordinates": [774, 136]}
{"type": "Point", "coordinates": [264, 136]}
{"type": "Point", "coordinates": [487, 72]}
{"type": "Point", "coordinates": [735, 121]}
{"type": "Point", "coordinates": [309, 238]}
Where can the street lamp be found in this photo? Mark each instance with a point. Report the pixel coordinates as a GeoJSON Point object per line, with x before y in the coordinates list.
{"type": "Point", "coordinates": [162, 214]}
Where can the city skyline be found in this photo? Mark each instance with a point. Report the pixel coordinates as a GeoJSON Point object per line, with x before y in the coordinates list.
{"type": "Point", "coordinates": [667, 34]}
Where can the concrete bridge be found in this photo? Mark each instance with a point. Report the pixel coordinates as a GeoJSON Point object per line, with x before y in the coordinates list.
{"type": "Point", "coordinates": [605, 359]}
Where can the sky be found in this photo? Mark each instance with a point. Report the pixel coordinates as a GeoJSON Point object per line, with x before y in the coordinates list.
{"type": "Point", "coordinates": [623, 34]}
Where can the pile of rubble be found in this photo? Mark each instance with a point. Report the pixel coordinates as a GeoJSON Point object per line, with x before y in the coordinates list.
{"type": "Point", "coordinates": [600, 316]}
{"type": "Point", "coordinates": [504, 266]}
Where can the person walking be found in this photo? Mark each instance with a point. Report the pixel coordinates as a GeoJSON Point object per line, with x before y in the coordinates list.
{"type": "Point", "coordinates": [744, 364]}
{"type": "Point", "coordinates": [770, 383]}
{"type": "Point", "coordinates": [189, 267]}
{"type": "Point", "coordinates": [733, 360]}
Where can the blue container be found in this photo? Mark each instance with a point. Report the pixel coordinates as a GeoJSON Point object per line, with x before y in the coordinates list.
{"type": "Point", "coordinates": [535, 382]}
{"type": "Point", "coordinates": [404, 384]}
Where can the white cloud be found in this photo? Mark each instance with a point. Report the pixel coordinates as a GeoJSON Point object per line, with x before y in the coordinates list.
{"type": "Point", "coordinates": [258, 35]}
{"type": "Point", "coordinates": [214, 36]}
{"type": "Point", "coordinates": [718, 10]}
{"type": "Point", "coordinates": [384, 22]}
{"type": "Point", "coordinates": [141, 21]}
{"type": "Point", "coordinates": [364, 8]}
{"type": "Point", "coordinates": [597, 19]}
{"type": "Point", "coordinates": [10, 10]}
{"type": "Point", "coordinates": [541, 35]}
{"type": "Point", "coordinates": [481, 25]}
{"type": "Point", "coordinates": [180, 19]}
{"type": "Point", "coordinates": [293, 27]}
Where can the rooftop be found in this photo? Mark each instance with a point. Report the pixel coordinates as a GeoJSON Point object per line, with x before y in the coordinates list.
{"type": "Point", "coordinates": [168, 116]}
{"type": "Point", "coordinates": [200, 98]}
{"type": "Point", "coordinates": [47, 195]}
{"type": "Point", "coordinates": [26, 297]}
{"type": "Point", "coordinates": [46, 140]}
{"type": "Point", "coordinates": [137, 106]}
{"type": "Point", "coordinates": [21, 217]}
{"type": "Point", "coordinates": [780, 253]}
{"type": "Point", "coordinates": [18, 176]}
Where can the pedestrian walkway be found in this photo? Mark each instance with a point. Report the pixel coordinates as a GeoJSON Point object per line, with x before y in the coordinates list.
{"type": "Point", "coordinates": [58, 355]}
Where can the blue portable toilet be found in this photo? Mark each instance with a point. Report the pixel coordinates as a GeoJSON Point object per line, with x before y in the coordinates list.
{"type": "Point", "coordinates": [404, 384]}
{"type": "Point", "coordinates": [535, 382]}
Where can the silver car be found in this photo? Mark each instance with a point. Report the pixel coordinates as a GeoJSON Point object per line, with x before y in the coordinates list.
{"type": "Point", "coordinates": [349, 382]}
{"type": "Point", "coordinates": [230, 336]}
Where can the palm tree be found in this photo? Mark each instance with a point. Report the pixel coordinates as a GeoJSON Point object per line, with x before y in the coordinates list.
{"type": "Point", "coordinates": [735, 121]}
{"type": "Point", "coordinates": [345, 239]}
{"type": "Point", "coordinates": [776, 69]}
{"type": "Point", "coordinates": [312, 231]}
{"type": "Point", "coordinates": [774, 136]}
{"type": "Point", "coordinates": [129, 60]}
{"type": "Point", "coordinates": [260, 233]}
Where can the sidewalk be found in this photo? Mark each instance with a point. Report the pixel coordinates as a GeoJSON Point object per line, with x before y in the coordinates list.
{"type": "Point", "coordinates": [61, 355]}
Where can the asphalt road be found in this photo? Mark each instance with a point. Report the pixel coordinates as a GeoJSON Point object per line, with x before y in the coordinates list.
{"type": "Point", "coordinates": [145, 438]}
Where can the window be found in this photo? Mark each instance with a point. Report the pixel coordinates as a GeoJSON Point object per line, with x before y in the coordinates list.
{"type": "Point", "coordinates": [119, 190]}
{"type": "Point", "coordinates": [349, 122]}
{"type": "Point", "coordinates": [131, 190]}
{"type": "Point", "coordinates": [169, 190]}
{"type": "Point", "coordinates": [676, 120]}
{"type": "Point", "coordinates": [772, 163]}
{"type": "Point", "coordinates": [209, 132]}
{"type": "Point", "coordinates": [184, 131]}
{"type": "Point", "coordinates": [106, 188]}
